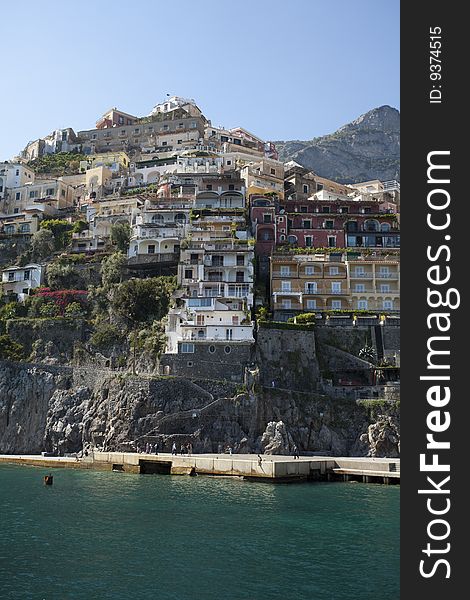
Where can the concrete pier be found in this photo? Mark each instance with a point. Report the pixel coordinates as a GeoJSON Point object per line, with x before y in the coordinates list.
{"type": "Point", "coordinates": [273, 468]}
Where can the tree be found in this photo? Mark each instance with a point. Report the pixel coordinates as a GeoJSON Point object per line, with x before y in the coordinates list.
{"type": "Point", "coordinates": [42, 244]}
{"type": "Point", "coordinates": [120, 236]}
{"type": "Point", "coordinates": [80, 226]}
{"type": "Point", "coordinates": [9, 349]}
{"type": "Point", "coordinates": [143, 300]}
{"type": "Point", "coordinates": [62, 276]}
{"type": "Point", "coordinates": [61, 230]}
{"type": "Point", "coordinates": [111, 269]}
{"type": "Point", "coordinates": [74, 310]}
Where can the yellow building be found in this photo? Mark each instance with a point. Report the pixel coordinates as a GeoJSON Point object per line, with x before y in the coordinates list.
{"type": "Point", "coordinates": [115, 161]}
{"type": "Point", "coordinates": [320, 282]}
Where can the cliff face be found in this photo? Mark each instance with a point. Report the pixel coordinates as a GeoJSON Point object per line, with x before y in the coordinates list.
{"type": "Point", "coordinates": [366, 149]}
{"type": "Point", "coordinates": [66, 409]}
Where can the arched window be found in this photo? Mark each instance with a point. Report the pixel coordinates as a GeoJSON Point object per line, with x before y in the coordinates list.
{"type": "Point", "coordinates": [157, 218]}
{"type": "Point", "coordinates": [180, 218]}
{"type": "Point", "coordinates": [292, 239]}
{"type": "Point", "coordinates": [385, 227]}
{"type": "Point", "coordinates": [371, 225]}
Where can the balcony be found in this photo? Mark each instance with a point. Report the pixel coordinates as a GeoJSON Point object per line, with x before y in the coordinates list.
{"type": "Point", "coordinates": [380, 275]}
{"type": "Point", "coordinates": [360, 275]}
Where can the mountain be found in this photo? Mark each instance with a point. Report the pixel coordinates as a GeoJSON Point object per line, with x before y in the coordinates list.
{"type": "Point", "coordinates": [368, 148]}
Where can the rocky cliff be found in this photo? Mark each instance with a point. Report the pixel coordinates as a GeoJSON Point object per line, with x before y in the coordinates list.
{"type": "Point", "coordinates": [74, 409]}
{"type": "Point", "coordinates": [368, 148]}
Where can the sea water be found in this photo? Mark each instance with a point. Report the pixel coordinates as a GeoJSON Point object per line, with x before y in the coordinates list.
{"type": "Point", "coordinates": [102, 535]}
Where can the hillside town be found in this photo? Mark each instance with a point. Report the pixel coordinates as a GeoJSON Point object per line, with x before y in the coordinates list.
{"type": "Point", "coordinates": [240, 239]}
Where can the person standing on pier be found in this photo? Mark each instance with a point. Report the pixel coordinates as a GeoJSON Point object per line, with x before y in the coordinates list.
{"type": "Point", "coordinates": [155, 448]}
{"type": "Point", "coordinates": [173, 449]}
{"type": "Point", "coordinates": [296, 452]}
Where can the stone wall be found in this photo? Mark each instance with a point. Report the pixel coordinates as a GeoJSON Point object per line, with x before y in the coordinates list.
{"type": "Point", "coordinates": [288, 358]}
{"type": "Point", "coordinates": [220, 364]}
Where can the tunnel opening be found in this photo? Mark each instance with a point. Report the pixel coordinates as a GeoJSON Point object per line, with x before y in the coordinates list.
{"type": "Point", "coordinates": [148, 467]}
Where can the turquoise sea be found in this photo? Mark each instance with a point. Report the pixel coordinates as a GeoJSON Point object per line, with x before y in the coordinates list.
{"type": "Point", "coordinates": [96, 535]}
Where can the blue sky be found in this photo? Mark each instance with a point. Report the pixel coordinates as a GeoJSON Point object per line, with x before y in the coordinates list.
{"type": "Point", "coordinates": [284, 70]}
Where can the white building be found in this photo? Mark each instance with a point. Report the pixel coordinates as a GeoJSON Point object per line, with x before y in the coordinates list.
{"type": "Point", "coordinates": [19, 281]}
{"type": "Point", "coordinates": [157, 232]}
{"type": "Point", "coordinates": [208, 320]}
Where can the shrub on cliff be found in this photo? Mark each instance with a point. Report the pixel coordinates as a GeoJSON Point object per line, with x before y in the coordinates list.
{"type": "Point", "coordinates": [10, 349]}
{"type": "Point", "coordinates": [62, 276]}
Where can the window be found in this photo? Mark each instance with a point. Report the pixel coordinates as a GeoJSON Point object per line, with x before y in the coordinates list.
{"type": "Point", "coordinates": [188, 273]}
{"type": "Point", "coordinates": [307, 224]}
{"type": "Point", "coordinates": [187, 348]}
{"type": "Point", "coordinates": [359, 272]}
{"type": "Point", "coordinates": [273, 171]}
{"type": "Point", "coordinates": [193, 125]}
{"type": "Point", "coordinates": [285, 270]}
{"type": "Point", "coordinates": [11, 277]}
{"type": "Point", "coordinates": [208, 186]}
{"type": "Point", "coordinates": [27, 275]}
{"type": "Point", "coordinates": [163, 143]}
{"type": "Point", "coordinates": [286, 304]}
{"type": "Point", "coordinates": [286, 286]}
{"type": "Point", "coordinates": [385, 227]}
{"type": "Point", "coordinates": [266, 218]}
{"type": "Point", "coordinates": [201, 302]}
{"type": "Point", "coordinates": [32, 194]}
{"type": "Point", "coordinates": [309, 270]}
{"type": "Point", "coordinates": [50, 192]}
{"type": "Point", "coordinates": [311, 287]}
{"type": "Point", "coordinates": [344, 210]}
{"type": "Point", "coordinates": [336, 304]}
{"type": "Point", "coordinates": [25, 228]}
{"type": "Point", "coordinates": [303, 209]}
{"type": "Point", "coordinates": [240, 277]}
{"type": "Point", "coordinates": [308, 241]}
{"type": "Point", "coordinates": [362, 304]}
{"type": "Point", "coordinates": [311, 304]}
{"type": "Point", "coordinates": [384, 288]}
{"type": "Point", "coordinates": [305, 187]}
{"type": "Point", "coordinates": [240, 260]}
{"type": "Point", "coordinates": [334, 270]}
{"type": "Point", "coordinates": [18, 196]}
{"type": "Point", "coordinates": [231, 186]}
{"type": "Point", "coordinates": [325, 209]}
{"type": "Point", "coordinates": [17, 172]}
{"type": "Point", "coordinates": [229, 162]}
{"type": "Point", "coordinates": [217, 261]}
{"type": "Point", "coordinates": [388, 304]}
{"type": "Point", "coordinates": [62, 193]}
{"type": "Point", "coordinates": [229, 334]}
{"type": "Point", "coordinates": [151, 249]}
{"type": "Point", "coordinates": [331, 241]}
{"type": "Point", "coordinates": [329, 224]}
{"type": "Point", "coordinates": [212, 349]}
{"type": "Point", "coordinates": [384, 272]}
{"type": "Point", "coordinates": [336, 287]}
{"type": "Point", "coordinates": [227, 349]}
{"type": "Point", "coordinates": [360, 287]}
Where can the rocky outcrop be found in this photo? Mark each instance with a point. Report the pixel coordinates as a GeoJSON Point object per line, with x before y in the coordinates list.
{"type": "Point", "coordinates": [68, 410]}
{"type": "Point", "coordinates": [368, 148]}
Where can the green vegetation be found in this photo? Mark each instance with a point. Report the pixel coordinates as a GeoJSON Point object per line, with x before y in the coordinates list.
{"type": "Point", "coordinates": [61, 231]}
{"type": "Point", "coordinates": [10, 349]}
{"type": "Point", "coordinates": [143, 300]}
{"type": "Point", "coordinates": [106, 335]}
{"type": "Point", "coordinates": [59, 164]}
{"type": "Point", "coordinates": [120, 236]}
